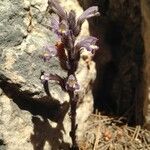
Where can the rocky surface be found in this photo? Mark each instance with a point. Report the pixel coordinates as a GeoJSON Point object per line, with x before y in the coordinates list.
{"type": "Point", "coordinates": [29, 118]}
{"type": "Point", "coordinates": [145, 8]}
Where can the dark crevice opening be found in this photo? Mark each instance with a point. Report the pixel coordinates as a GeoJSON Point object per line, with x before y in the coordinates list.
{"type": "Point", "coordinates": [118, 88]}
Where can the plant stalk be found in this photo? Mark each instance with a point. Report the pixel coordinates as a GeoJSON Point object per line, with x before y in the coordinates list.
{"type": "Point", "coordinates": [73, 97]}
{"type": "Point", "coordinates": [73, 104]}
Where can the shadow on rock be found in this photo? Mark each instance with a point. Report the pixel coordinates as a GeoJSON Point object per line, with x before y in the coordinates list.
{"type": "Point", "coordinates": [44, 132]}
{"type": "Point", "coordinates": [47, 109]}
{"type": "Point", "coordinates": [46, 106]}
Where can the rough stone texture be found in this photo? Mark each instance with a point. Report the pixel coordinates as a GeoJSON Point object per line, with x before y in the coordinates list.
{"type": "Point", "coordinates": [29, 119]}
{"type": "Point", "coordinates": [119, 83]}
{"type": "Point", "coordinates": [145, 7]}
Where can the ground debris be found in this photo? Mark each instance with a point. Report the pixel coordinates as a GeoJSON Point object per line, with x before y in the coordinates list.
{"type": "Point", "coordinates": [108, 133]}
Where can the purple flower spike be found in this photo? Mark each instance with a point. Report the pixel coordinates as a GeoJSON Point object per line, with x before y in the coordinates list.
{"type": "Point", "coordinates": [58, 9]}
{"type": "Point", "coordinates": [89, 43]}
{"type": "Point", "coordinates": [72, 84]}
{"type": "Point", "coordinates": [68, 51]}
{"type": "Point", "coordinates": [49, 52]}
{"type": "Point", "coordinates": [90, 12]}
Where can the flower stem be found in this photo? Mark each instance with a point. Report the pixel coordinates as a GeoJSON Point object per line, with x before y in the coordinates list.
{"type": "Point", "coordinates": [72, 95]}
{"type": "Point", "coordinates": [73, 104]}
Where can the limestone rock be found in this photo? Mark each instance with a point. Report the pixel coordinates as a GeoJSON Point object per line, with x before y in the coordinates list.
{"type": "Point", "coordinates": [29, 118]}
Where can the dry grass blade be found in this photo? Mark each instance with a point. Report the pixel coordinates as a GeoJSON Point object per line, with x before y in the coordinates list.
{"type": "Point", "coordinates": [97, 135]}
{"type": "Point", "coordinates": [103, 133]}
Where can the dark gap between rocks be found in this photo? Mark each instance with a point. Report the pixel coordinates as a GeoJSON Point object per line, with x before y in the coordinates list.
{"type": "Point", "coordinates": [118, 88]}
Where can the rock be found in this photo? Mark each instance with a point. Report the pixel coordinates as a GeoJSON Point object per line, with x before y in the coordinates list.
{"type": "Point", "coordinates": [145, 8]}
{"type": "Point", "coordinates": [2, 142]}
{"type": "Point", "coordinates": [29, 118]}
{"type": "Point", "coordinates": [11, 23]}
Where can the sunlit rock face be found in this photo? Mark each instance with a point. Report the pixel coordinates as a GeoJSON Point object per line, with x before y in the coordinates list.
{"type": "Point", "coordinates": [145, 7]}
{"type": "Point", "coordinates": [29, 119]}
{"type": "Point", "coordinates": [119, 84]}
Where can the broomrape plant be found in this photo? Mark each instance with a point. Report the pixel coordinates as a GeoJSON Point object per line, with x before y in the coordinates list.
{"type": "Point", "coordinates": [67, 28]}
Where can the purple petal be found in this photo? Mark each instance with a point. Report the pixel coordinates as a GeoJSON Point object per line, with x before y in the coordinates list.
{"type": "Point", "coordinates": [89, 40]}
{"type": "Point", "coordinates": [58, 9]}
{"type": "Point", "coordinates": [88, 48]}
{"type": "Point", "coordinates": [54, 23]}
{"type": "Point", "coordinates": [77, 86]}
{"type": "Point", "coordinates": [90, 12]}
{"type": "Point", "coordinates": [72, 83]}
{"type": "Point", "coordinates": [73, 23]}
{"type": "Point", "coordinates": [63, 27]}
{"type": "Point", "coordinates": [44, 77]}
{"type": "Point", "coordinates": [49, 51]}
{"type": "Point", "coordinates": [86, 42]}
{"type": "Point", "coordinates": [58, 27]}
{"type": "Point", "coordinates": [71, 77]}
